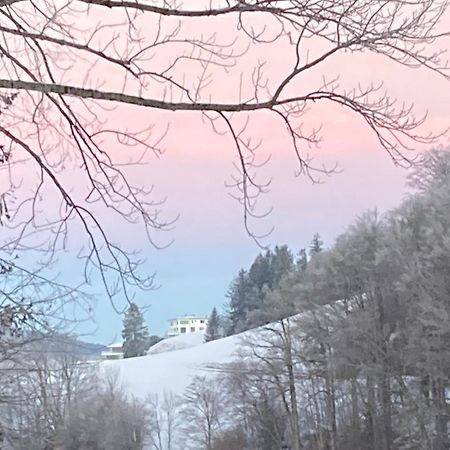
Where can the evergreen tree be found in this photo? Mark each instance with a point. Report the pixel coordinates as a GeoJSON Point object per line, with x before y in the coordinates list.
{"type": "Point", "coordinates": [282, 262]}
{"type": "Point", "coordinates": [260, 272]}
{"type": "Point", "coordinates": [213, 328]}
{"type": "Point", "coordinates": [243, 297]}
{"type": "Point", "coordinates": [136, 339]}
{"type": "Point", "coordinates": [249, 293]}
{"type": "Point", "coordinates": [316, 245]}
{"type": "Point", "coordinates": [302, 260]}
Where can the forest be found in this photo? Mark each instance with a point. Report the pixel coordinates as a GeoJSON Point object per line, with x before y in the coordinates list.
{"type": "Point", "coordinates": [353, 346]}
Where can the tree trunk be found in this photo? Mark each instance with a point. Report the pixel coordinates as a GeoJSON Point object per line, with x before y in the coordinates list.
{"type": "Point", "coordinates": [295, 431]}
{"type": "Point", "coordinates": [383, 378]}
{"type": "Point", "coordinates": [386, 436]}
{"type": "Point", "coordinates": [319, 426]}
{"type": "Point", "coordinates": [294, 416]}
{"type": "Point", "coordinates": [330, 399]}
{"type": "Point", "coordinates": [355, 405]}
{"type": "Point", "coordinates": [442, 418]}
{"type": "Point", "coordinates": [372, 414]}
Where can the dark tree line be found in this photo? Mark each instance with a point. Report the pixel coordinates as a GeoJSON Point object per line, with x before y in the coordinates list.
{"type": "Point", "coordinates": [250, 292]}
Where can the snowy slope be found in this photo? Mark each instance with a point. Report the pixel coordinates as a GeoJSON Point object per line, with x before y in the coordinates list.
{"type": "Point", "coordinates": [172, 371]}
{"type": "Point", "coordinates": [178, 342]}
{"type": "Point", "coordinates": [176, 362]}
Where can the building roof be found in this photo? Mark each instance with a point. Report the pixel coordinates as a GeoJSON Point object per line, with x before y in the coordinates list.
{"type": "Point", "coordinates": [189, 317]}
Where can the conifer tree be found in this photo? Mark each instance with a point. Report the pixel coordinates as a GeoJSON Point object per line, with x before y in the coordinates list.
{"type": "Point", "coordinates": [213, 328]}
{"type": "Point", "coordinates": [281, 263]}
{"type": "Point", "coordinates": [136, 338]}
{"type": "Point", "coordinates": [243, 298]}
{"type": "Point", "coordinates": [316, 245]}
{"type": "Point", "coordinates": [260, 272]}
{"type": "Point", "coordinates": [302, 260]}
{"type": "Point", "coordinates": [249, 291]}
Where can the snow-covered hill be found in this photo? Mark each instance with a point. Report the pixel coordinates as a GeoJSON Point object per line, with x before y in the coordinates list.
{"type": "Point", "coordinates": [173, 370]}
{"type": "Point", "coordinates": [178, 342]}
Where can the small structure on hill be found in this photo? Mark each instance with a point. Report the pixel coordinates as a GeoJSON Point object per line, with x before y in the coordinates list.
{"type": "Point", "coordinates": [115, 351]}
{"type": "Point", "coordinates": [187, 324]}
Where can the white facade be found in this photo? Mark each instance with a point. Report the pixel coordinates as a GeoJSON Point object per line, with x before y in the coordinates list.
{"type": "Point", "coordinates": [115, 351]}
{"type": "Point", "coordinates": [187, 324]}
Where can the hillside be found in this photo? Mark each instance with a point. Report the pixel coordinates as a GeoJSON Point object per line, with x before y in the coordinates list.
{"type": "Point", "coordinates": [179, 342]}
{"type": "Point", "coordinates": [173, 370]}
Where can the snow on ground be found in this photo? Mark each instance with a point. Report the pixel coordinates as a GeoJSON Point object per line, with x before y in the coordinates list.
{"type": "Point", "coordinates": [173, 370]}
{"type": "Point", "coordinates": [178, 342]}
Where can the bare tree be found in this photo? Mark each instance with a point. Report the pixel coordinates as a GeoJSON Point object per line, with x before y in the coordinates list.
{"type": "Point", "coordinates": [35, 307]}
{"type": "Point", "coordinates": [58, 121]}
{"type": "Point", "coordinates": [273, 347]}
{"type": "Point", "coordinates": [163, 421]}
{"type": "Point", "coordinates": [203, 410]}
{"type": "Point", "coordinates": [41, 390]}
{"type": "Point", "coordinates": [104, 418]}
{"type": "Point", "coordinates": [255, 405]}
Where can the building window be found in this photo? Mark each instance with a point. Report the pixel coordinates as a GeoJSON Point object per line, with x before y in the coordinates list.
{"type": "Point", "coordinates": [192, 329]}
{"type": "Point", "coordinates": [202, 321]}
{"type": "Point", "coordinates": [183, 330]}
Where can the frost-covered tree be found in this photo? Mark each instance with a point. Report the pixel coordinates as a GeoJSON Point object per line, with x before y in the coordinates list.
{"type": "Point", "coordinates": [136, 338]}
{"type": "Point", "coordinates": [104, 418]}
{"type": "Point", "coordinates": [316, 245]}
{"type": "Point", "coordinates": [281, 262]}
{"type": "Point", "coordinates": [302, 260]}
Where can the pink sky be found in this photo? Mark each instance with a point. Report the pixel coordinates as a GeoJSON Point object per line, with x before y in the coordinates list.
{"type": "Point", "coordinates": [210, 243]}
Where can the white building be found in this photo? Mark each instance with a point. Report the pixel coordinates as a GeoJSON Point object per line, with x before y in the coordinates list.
{"type": "Point", "coordinates": [187, 324]}
{"type": "Point", "coordinates": [115, 351]}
